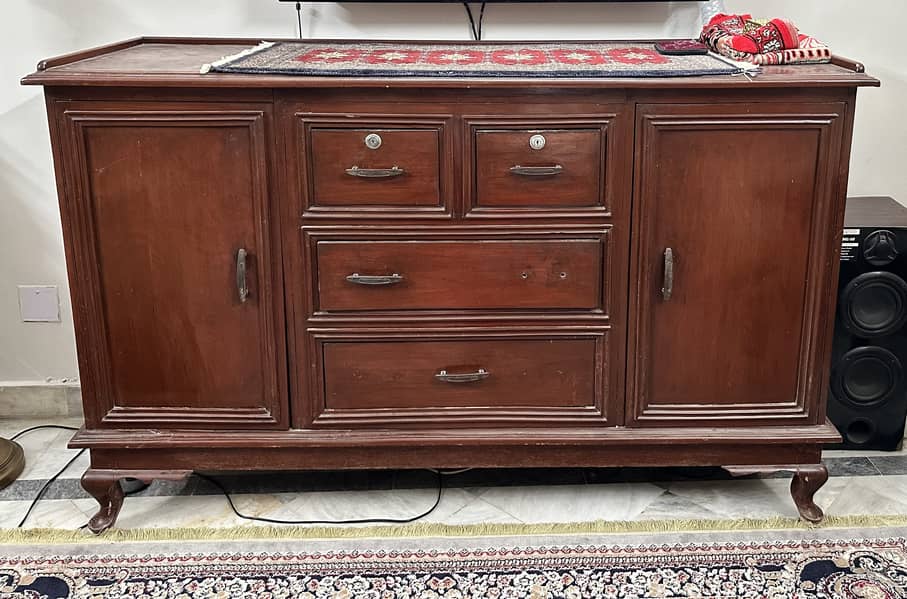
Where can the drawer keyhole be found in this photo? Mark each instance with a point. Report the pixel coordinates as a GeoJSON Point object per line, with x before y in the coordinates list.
{"type": "Point", "coordinates": [373, 141]}
{"type": "Point", "coordinates": [524, 275]}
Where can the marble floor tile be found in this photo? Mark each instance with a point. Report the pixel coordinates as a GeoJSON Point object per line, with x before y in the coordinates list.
{"type": "Point", "coordinates": [853, 466]}
{"type": "Point", "coordinates": [391, 504]}
{"type": "Point", "coordinates": [669, 506]}
{"type": "Point", "coordinates": [568, 503]}
{"type": "Point", "coordinates": [479, 511]}
{"type": "Point", "coordinates": [880, 495]}
{"type": "Point", "coordinates": [47, 463]}
{"type": "Point", "coordinates": [167, 512]}
{"type": "Point", "coordinates": [753, 498]}
{"type": "Point", "coordinates": [57, 513]}
{"type": "Point", "coordinates": [11, 426]}
{"type": "Point", "coordinates": [890, 464]}
{"type": "Point", "coordinates": [846, 453]}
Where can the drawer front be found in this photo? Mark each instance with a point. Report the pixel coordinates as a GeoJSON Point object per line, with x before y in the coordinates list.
{"type": "Point", "coordinates": [472, 274]}
{"type": "Point", "coordinates": [551, 168]}
{"type": "Point", "coordinates": [361, 167]}
{"type": "Point", "coordinates": [388, 381]}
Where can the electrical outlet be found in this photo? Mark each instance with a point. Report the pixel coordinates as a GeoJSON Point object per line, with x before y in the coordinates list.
{"type": "Point", "coordinates": [39, 303]}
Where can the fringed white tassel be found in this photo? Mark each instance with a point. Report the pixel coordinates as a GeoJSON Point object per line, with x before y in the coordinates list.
{"type": "Point", "coordinates": [206, 68]}
{"type": "Point", "coordinates": [748, 69]}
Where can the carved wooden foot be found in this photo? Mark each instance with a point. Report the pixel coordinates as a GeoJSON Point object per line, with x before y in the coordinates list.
{"type": "Point", "coordinates": [807, 480]}
{"type": "Point", "coordinates": [103, 485]}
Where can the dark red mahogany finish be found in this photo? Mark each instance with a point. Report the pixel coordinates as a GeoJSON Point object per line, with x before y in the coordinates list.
{"type": "Point", "coordinates": [467, 295]}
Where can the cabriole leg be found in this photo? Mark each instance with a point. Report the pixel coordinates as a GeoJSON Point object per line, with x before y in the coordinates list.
{"type": "Point", "coordinates": [105, 487]}
{"type": "Point", "coordinates": [807, 480]}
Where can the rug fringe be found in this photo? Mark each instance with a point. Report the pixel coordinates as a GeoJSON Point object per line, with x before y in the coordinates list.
{"type": "Point", "coordinates": [58, 536]}
{"type": "Point", "coordinates": [206, 68]}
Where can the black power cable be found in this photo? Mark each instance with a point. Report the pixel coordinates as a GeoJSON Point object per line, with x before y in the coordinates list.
{"type": "Point", "coordinates": [476, 30]}
{"type": "Point", "coordinates": [40, 426]}
{"type": "Point", "coordinates": [46, 485]}
{"type": "Point", "coordinates": [223, 490]}
{"type": "Point", "coordinates": [299, 17]}
{"type": "Point", "coordinates": [226, 493]}
{"type": "Point", "coordinates": [55, 476]}
{"type": "Point", "coordinates": [481, 20]}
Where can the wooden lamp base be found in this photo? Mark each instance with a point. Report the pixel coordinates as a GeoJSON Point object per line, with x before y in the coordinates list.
{"type": "Point", "coordinates": [12, 461]}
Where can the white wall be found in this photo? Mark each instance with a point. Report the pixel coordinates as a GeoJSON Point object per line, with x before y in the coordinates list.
{"type": "Point", "coordinates": [871, 32]}
{"type": "Point", "coordinates": [30, 242]}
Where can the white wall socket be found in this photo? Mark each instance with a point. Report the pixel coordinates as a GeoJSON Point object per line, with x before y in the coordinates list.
{"type": "Point", "coordinates": [39, 303]}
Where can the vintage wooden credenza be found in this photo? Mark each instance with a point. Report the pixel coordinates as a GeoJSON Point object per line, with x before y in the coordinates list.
{"type": "Point", "coordinates": [277, 272]}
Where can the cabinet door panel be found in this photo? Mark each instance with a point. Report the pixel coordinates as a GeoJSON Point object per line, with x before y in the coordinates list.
{"type": "Point", "coordinates": [744, 204]}
{"type": "Point", "coordinates": [163, 203]}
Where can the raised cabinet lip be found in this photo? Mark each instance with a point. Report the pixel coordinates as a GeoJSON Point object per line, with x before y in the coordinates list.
{"type": "Point", "coordinates": [76, 69]}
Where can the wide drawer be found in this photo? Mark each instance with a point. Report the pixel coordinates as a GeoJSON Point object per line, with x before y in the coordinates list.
{"type": "Point", "coordinates": [375, 166]}
{"type": "Point", "coordinates": [390, 381]}
{"type": "Point", "coordinates": [521, 168]}
{"type": "Point", "coordinates": [472, 274]}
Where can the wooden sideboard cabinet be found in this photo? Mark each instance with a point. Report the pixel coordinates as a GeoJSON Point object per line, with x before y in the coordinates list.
{"type": "Point", "coordinates": [277, 273]}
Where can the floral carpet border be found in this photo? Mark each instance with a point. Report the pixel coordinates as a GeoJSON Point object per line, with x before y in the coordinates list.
{"type": "Point", "coordinates": [820, 569]}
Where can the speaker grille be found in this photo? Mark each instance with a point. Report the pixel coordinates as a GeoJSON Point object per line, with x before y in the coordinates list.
{"type": "Point", "coordinates": [874, 304]}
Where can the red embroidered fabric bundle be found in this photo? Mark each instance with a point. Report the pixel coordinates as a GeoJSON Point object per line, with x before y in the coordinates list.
{"type": "Point", "coordinates": [762, 42]}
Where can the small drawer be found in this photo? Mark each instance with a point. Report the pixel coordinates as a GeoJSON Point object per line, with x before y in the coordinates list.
{"type": "Point", "coordinates": [451, 376]}
{"type": "Point", "coordinates": [474, 274]}
{"type": "Point", "coordinates": [545, 168]}
{"type": "Point", "coordinates": [392, 167]}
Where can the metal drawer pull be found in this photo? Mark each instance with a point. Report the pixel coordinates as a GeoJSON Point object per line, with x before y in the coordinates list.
{"type": "Point", "coordinates": [537, 171]}
{"type": "Point", "coordinates": [375, 173]}
{"type": "Point", "coordinates": [242, 287]}
{"type": "Point", "coordinates": [668, 290]}
{"type": "Point", "coordinates": [374, 279]}
{"type": "Point", "coordinates": [466, 377]}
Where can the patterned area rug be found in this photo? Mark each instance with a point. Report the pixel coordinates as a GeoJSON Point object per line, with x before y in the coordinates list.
{"type": "Point", "coordinates": [779, 564]}
{"type": "Point", "coordinates": [415, 59]}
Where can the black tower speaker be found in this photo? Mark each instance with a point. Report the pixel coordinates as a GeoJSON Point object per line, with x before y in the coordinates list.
{"type": "Point", "coordinates": [868, 398]}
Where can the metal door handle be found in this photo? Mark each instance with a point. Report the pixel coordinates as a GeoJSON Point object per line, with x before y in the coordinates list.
{"type": "Point", "coordinates": [374, 279]}
{"type": "Point", "coordinates": [375, 173]}
{"type": "Point", "coordinates": [242, 287]}
{"type": "Point", "coordinates": [467, 377]}
{"type": "Point", "coordinates": [537, 171]}
{"type": "Point", "coordinates": [668, 290]}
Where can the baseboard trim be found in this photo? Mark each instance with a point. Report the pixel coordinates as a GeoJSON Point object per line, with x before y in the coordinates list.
{"type": "Point", "coordinates": [28, 399]}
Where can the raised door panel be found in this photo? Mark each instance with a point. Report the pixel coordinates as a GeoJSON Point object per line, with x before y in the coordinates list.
{"type": "Point", "coordinates": [175, 327]}
{"type": "Point", "coordinates": [733, 241]}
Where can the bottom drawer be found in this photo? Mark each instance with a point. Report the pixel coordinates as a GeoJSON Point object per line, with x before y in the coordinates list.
{"type": "Point", "coordinates": [432, 382]}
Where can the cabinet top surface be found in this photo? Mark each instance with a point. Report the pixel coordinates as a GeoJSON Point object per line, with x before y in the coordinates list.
{"type": "Point", "coordinates": [176, 62]}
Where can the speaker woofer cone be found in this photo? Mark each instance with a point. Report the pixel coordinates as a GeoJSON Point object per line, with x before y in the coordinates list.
{"type": "Point", "coordinates": [874, 304]}
{"type": "Point", "coordinates": [867, 376]}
